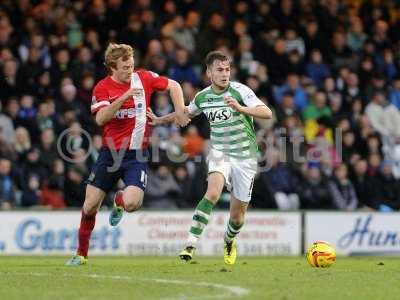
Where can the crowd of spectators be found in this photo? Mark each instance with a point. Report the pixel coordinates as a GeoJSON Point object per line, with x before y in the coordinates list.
{"type": "Point", "coordinates": [329, 70]}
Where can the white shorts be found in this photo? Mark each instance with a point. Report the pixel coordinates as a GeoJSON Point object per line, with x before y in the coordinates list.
{"type": "Point", "coordinates": [239, 173]}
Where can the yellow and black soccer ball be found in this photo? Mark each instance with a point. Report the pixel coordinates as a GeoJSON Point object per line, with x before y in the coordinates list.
{"type": "Point", "coordinates": [321, 255]}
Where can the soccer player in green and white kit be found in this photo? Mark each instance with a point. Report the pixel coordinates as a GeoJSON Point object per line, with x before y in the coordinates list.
{"type": "Point", "coordinates": [232, 161]}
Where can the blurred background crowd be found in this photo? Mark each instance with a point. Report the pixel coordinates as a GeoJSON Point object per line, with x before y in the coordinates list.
{"type": "Point", "coordinates": [329, 70]}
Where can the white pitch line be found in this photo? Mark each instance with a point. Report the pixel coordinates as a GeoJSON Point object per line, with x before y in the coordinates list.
{"type": "Point", "coordinates": [230, 290]}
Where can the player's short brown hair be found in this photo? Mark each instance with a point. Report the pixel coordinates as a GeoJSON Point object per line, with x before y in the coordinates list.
{"type": "Point", "coordinates": [114, 52]}
{"type": "Point", "coordinates": [216, 55]}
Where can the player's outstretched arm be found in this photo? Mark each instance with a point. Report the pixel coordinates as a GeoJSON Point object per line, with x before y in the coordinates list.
{"type": "Point", "coordinates": [155, 120]}
{"type": "Point", "coordinates": [176, 94]}
{"type": "Point", "coordinates": [259, 111]}
{"type": "Point", "coordinates": [170, 118]}
{"type": "Point", "coordinates": [105, 114]}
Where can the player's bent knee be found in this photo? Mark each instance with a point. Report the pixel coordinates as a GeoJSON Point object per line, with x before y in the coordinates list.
{"type": "Point", "coordinates": [131, 206]}
{"type": "Point", "coordinates": [94, 197]}
{"type": "Point", "coordinates": [237, 217]}
{"type": "Point", "coordinates": [212, 196]}
{"type": "Point", "coordinates": [90, 208]}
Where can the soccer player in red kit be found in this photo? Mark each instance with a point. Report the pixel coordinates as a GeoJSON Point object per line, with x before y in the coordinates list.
{"type": "Point", "coordinates": [119, 105]}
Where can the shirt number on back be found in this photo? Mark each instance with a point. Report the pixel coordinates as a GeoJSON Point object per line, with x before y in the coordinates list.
{"type": "Point", "coordinates": [143, 178]}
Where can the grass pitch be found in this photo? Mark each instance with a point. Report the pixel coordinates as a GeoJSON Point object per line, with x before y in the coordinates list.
{"type": "Point", "coordinates": [205, 278]}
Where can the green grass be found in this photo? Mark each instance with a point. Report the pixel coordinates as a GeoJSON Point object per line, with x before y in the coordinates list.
{"type": "Point", "coordinates": [205, 278]}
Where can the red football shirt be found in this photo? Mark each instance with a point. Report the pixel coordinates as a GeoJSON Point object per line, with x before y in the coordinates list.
{"type": "Point", "coordinates": [129, 129]}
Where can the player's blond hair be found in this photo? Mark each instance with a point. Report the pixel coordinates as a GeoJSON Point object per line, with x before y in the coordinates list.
{"type": "Point", "coordinates": [114, 52]}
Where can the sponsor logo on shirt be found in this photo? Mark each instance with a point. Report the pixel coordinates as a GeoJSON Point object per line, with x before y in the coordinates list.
{"type": "Point", "coordinates": [218, 115]}
{"type": "Point", "coordinates": [125, 113]}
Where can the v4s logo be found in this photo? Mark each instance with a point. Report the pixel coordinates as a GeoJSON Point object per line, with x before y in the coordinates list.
{"type": "Point", "coordinates": [219, 115]}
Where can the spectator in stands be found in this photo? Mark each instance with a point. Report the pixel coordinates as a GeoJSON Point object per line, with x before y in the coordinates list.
{"type": "Point", "coordinates": [83, 64]}
{"type": "Point", "coordinates": [337, 108]}
{"type": "Point", "coordinates": [384, 117]}
{"type": "Point", "coordinates": [244, 56]}
{"type": "Point", "coordinates": [390, 188]}
{"type": "Point", "coordinates": [349, 146]}
{"type": "Point", "coordinates": [6, 127]}
{"type": "Point", "coordinates": [7, 193]}
{"type": "Point", "coordinates": [192, 22]}
{"type": "Point", "coordinates": [293, 42]}
{"type": "Point", "coordinates": [342, 190]}
{"type": "Point", "coordinates": [6, 149]}
{"type": "Point", "coordinates": [340, 53]}
{"type": "Point", "coordinates": [318, 108]}
{"type": "Point", "coordinates": [314, 192]}
{"type": "Point", "coordinates": [278, 64]}
{"type": "Point", "coordinates": [374, 144]}
{"type": "Point", "coordinates": [366, 72]}
{"type": "Point", "coordinates": [356, 36]}
{"type": "Point", "coordinates": [22, 143]}
{"type": "Point", "coordinates": [293, 85]}
{"type": "Point", "coordinates": [6, 30]}
{"type": "Point", "coordinates": [27, 110]}
{"type": "Point", "coordinates": [43, 118]}
{"type": "Point", "coordinates": [52, 195]}
{"type": "Point", "coordinates": [182, 69]}
{"type": "Point", "coordinates": [68, 101]}
{"type": "Point", "coordinates": [31, 193]}
{"type": "Point", "coordinates": [293, 135]}
{"type": "Point", "coordinates": [48, 148]}
{"type": "Point", "coordinates": [183, 180]}
{"type": "Point", "coordinates": [44, 88]}
{"type": "Point", "coordinates": [182, 35]}
{"type": "Point", "coordinates": [11, 81]}
{"type": "Point", "coordinates": [377, 84]}
{"type": "Point", "coordinates": [61, 66]}
{"type": "Point", "coordinates": [380, 35]}
{"type": "Point", "coordinates": [214, 31]}
{"type": "Point", "coordinates": [193, 143]}
{"type": "Point", "coordinates": [374, 162]}
{"type": "Point", "coordinates": [317, 70]}
{"type": "Point", "coordinates": [134, 34]}
{"type": "Point", "coordinates": [32, 165]}
{"type": "Point", "coordinates": [366, 187]}
{"type": "Point", "coordinates": [313, 37]}
{"type": "Point", "coordinates": [162, 189]}
{"type": "Point", "coordinates": [74, 188]}
{"type": "Point", "coordinates": [387, 65]}
{"type": "Point", "coordinates": [394, 96]}
{"type": "Point", "coordinates": [85, 89]}
{"type": "Point", "coordinates": [281, 181]}
{"type": "Point", "coordinates": [73, 140]}
{"type": "Point", "coordinates": [351, 91]}
{"type": "Point", "coordinates": [296, 63]}
{"type": "Point", "coordinates": [240, 29]}
{"type": "Point", "coordinates": [32, 68]}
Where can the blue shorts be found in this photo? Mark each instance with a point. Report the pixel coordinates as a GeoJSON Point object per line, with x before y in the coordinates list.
{"type": "Point", "coordinates": [132, 169]}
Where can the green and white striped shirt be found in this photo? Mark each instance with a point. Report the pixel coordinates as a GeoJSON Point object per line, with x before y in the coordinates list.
{"type": "Point", "coordinates": [231, 132]}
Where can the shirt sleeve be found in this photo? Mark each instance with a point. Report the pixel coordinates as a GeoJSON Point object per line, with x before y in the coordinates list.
{"type": "Point", "coordinates": [100, 99]}
{"type": "Point", "coordinates": [249, 98]}
{"type": "Point", "coordinates": [193, 109]}
{"type": "Point", "coordinates": [157, 82]}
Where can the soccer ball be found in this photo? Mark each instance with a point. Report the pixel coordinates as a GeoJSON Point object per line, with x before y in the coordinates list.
{"type": "Point", "coordinates": [321, 255]}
